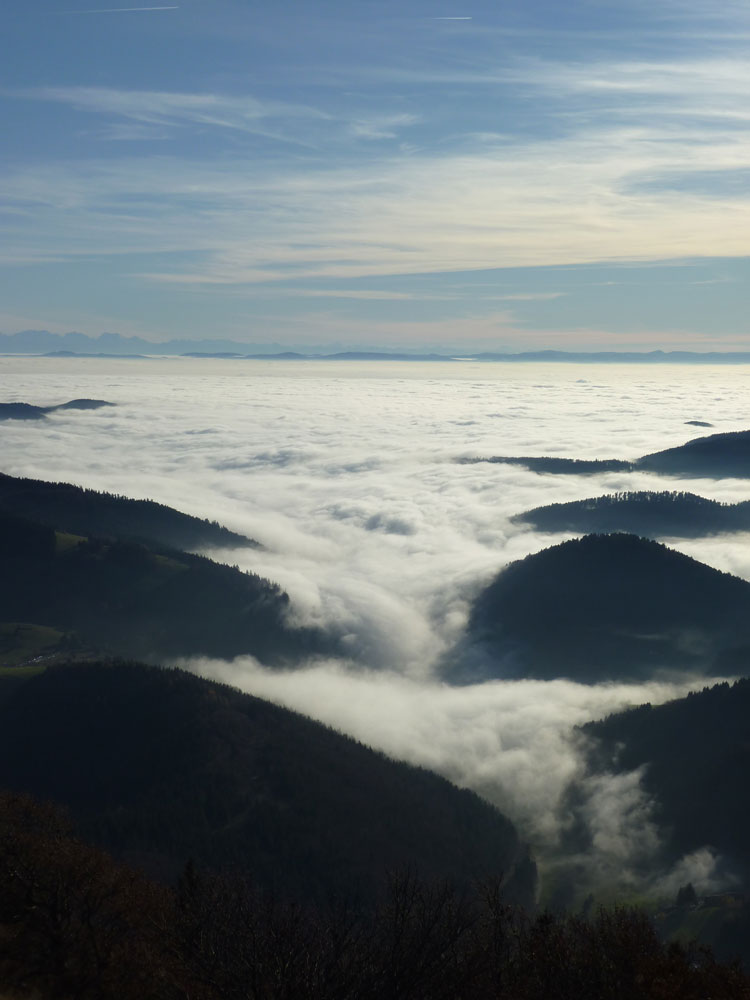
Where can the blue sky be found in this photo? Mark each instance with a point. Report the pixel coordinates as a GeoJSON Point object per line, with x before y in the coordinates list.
{"type": "Point", "coordinates": [420, 175]}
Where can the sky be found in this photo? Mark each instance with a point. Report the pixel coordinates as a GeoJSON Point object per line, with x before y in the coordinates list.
{"type": "Point", "coordinates": [420, 175]}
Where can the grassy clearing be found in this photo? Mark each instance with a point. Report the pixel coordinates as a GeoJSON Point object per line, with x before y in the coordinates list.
{"type": "Point", "coordinates": [21, 642]}
{"type": "Point", "coordinates": [64, 541]}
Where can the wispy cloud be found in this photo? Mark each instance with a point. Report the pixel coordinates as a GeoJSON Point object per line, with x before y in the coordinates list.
{"type": "Point", "coordinates": [382, 126]}
{"type": "Point", "coordinates": [169, 108]}
{"type": "Point", "coordinates": [117, 10]}
{"type": "Point", "coordinates": [620, 178]}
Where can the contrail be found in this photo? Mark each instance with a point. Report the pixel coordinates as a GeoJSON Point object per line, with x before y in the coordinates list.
{"type": "Point", "coordinates": [116, 10]}
{"type": "Point", "coordinates": [453, 19]}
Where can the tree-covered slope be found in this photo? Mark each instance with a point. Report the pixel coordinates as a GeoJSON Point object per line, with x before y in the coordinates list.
{"type": "Point", "coordinates": [665, 514]}
{"type": "Point", "coordinates": [163, 766]}
{"type": "Point", "coordinates": [106, 515]}
{"type": "Point", "coordinates": [696, 752]}
{"type": "Point", "coordinates": [716, 456]}
{"type": "Point", "coordinates": [606, 607]}
{"type": "Point", "coordinates": [557, 466]}
{"type": "Point", "coordinates": [126, 598]}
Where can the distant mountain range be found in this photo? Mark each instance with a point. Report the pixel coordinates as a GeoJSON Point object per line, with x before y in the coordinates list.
{"type": "Point", "coordinates": [606, 608]}
{"type": "Point", "coordinates": [655, 515]}
{"type": "Point", "coordinates": [715, 456]}
{"type": "Point", "coordinates": [113, 344]}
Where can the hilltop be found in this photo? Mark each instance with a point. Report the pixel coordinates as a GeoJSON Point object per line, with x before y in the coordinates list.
{"type": "Point", "coordinates": [664, 514]}
{"type": "Point", "coordinates": [605, 607]}
{"type": "Point", "coordinates": [28, 411]}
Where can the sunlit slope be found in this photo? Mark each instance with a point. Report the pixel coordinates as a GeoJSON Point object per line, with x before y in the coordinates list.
{"type": "Point", "coordinates": [126, 598]}
{"type": "Point", "coordinates": [606, 607]}
{"type": "Point", "coordinates": [162, 766]}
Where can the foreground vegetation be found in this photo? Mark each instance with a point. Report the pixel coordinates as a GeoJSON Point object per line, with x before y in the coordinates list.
{"type": "Point", "coordinates": [73, 923]}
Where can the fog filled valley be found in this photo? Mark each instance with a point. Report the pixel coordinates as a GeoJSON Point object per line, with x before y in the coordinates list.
{"type": "Point", "coordinates": [359, 497]}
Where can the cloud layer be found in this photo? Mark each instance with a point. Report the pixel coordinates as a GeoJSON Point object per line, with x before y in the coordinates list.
{"type": "Point", "coordinates": [346, 473]}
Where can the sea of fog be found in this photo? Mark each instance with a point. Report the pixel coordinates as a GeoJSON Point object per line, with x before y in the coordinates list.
{"type": "Point", "coordinates": [346, 473]}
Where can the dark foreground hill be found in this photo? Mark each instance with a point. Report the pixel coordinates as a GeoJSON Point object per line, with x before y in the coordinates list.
{"type": "Point", "coordinates": [29, 411]}
{"type": "Point", "coordinates": [106, 515]}
{"type": "Point", "coordinates": [606, 607]}
{"type": "Point", "coordinates": [660, 515]}
{"type": "Point", "coordinates": [161, 766]}
{"type": "Point", "coordinates": [132, 600]}
{"type": "Point", "coordinates": [716, 456]}
{"type": "Point", "coordinates": [77, 924]}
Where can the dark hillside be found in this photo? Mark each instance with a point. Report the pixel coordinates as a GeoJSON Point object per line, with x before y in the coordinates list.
{"type": "Point", "coordinates": [559, 466]}
{"type": "Point", "coordinates": [676, 515]}
{"type": "Point", "coordinates": [106, 515]}
{"type": "Point", "coordinates": [606, 607]}
{"type": "Point", "coordinates": [163, 766]}
{"type": "Point", "coordinates": [716, 456]}
{"type": "Point", "coordinates": [29, 411]}
{"type": "Point", "coordinates": [130, 600]}
{"type": "Point", "coordinates": [697, 752]}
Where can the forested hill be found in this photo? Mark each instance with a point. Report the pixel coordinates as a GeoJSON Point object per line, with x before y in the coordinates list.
{"type": "Point", "coordinates": [106, 515]}
{"type": "Point", "coordinates": [128, 599]}
{"type": "Point", "coordinates": [161, 766]}
{"type": "Point", "coordinates": [606, 607]}
{"type": "Point", "coordinates": [30, 411]}
{"type": "Point", "coordinates": [660, 515]}
{"type": "Point", "coordinates": [716, 456]}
